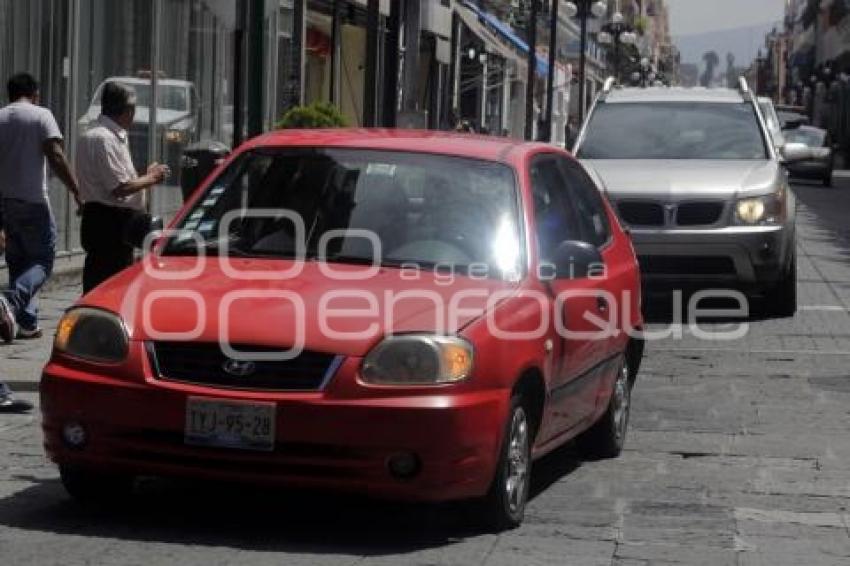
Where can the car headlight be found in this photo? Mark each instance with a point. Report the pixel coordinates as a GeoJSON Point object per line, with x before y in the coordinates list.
{"type": "Point", "coordinates": [92, 334]}
{"type": "Point", "coordinates": [175, 136]}
{"type": "Point", "coordinates": [418, 359]}
{"type": "Point", "coordinates": [764, 210]}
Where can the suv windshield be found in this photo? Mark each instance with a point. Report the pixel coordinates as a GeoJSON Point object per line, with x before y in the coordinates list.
{"type": "Point", "coordinates": [673, 130]}
{"type": "Point", "coordinates": [422, 209]}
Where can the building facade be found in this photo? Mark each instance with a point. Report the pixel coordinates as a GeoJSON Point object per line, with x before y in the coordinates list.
{"type": "Point", "coordinates": [225, 70]}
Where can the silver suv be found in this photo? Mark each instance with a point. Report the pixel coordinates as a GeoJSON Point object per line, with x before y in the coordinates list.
{"type": "Point", "coordinates": [694, 175]}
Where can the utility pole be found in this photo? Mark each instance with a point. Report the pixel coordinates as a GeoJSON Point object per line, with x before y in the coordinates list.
{"type": "Point", "coordinates": [553, 58]}
{"type": "Point", "coordinates": [531, 35]}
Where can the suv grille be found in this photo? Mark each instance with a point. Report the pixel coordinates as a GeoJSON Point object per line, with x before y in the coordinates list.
{"type": "Point", "coordinates": [641, 213]}
{"type": "Point", "coordinates": [204, 364]}
{"type": "Point", "coordinates": [686, 265]}
{"type": "Point", "coordinates": [699, 213]}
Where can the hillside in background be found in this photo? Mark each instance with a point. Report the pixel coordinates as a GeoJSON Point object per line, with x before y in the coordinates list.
{"type": "Point", "coordinates": [743, 43]}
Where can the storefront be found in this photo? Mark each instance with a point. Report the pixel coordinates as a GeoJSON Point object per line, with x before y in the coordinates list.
{"type": "Point", "coordinates": [181, 50]}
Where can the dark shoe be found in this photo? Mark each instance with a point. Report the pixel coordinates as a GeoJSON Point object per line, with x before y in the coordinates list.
{"type": "Point", "coordinates": [27, 334]}
{"type": "Point", "coordinates": [9, 404]}
{"type": "Point", "coordinates": [8, 326]}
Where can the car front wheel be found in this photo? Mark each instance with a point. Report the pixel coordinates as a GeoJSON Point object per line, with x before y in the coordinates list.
{"type": "Point", "coordinates": [504, 505]}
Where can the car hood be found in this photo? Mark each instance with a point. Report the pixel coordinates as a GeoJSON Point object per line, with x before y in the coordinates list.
{"type": "Point", "coordinates": [265, 311]}
{"type": "Point", "coordinates": [625, 178]}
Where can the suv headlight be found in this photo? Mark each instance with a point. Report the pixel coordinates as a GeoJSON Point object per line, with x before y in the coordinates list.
{"type": "Point", "coordinates": [764, 210]}
{"type": "Point", "coordinates": [418, 359]}
{"type": "Point", "coordinates": [92, 334]}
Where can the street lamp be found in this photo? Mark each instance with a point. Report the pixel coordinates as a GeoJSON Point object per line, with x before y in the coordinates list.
{"type": "Point", "coordinates": [584, 10]}
{"type": "Point", "coordinates": [617, 32]}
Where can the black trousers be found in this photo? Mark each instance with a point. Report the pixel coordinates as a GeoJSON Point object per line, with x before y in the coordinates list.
{"type": "Point", "coordinates": [102, 235]}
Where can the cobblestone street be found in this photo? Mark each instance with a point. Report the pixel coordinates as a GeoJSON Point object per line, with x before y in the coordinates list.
{"type": "Point", "coordinates": [738, 453]}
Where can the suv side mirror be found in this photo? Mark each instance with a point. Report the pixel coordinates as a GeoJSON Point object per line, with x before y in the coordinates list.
{"type": "Point", "coordinates": [577, 260]}
{"type": "Point", "coordinates": [792, 152]}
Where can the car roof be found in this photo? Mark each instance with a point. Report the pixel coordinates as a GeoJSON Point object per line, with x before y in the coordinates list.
{"type": "Point", "coordinates": [674, 94]}
{"type": "Point", "coordinates": [490, 148]}
{"type": "Point", "coordinates": [142, 81]}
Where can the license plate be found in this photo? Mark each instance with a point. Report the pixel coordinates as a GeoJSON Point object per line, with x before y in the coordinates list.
{"type": "Point", "coordinates": [230, 424]}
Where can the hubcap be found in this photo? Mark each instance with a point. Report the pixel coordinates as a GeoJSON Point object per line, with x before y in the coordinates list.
{"type": "Point", "coordinates": [516, 475]}
{"type": "Point", "coordinates": [621, 402]}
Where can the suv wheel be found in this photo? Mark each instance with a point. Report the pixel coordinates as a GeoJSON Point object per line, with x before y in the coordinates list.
{"type": "Point", "coordinates": [782, 299]}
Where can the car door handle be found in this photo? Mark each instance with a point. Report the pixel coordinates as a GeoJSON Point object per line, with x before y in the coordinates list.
{"type": "Point", "coordinates": [602, 304]}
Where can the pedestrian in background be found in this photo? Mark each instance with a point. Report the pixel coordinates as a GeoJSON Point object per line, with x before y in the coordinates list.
{"type": "Point", "coordinates": [8, 403]}
{"type": "Point", "coordinates": [112, 189]}
{"type": "Point", "coordinates": [29, 140]}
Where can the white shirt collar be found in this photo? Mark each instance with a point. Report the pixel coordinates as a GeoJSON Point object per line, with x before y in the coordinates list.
{"type": "Point", "coordinates": [113, 127]}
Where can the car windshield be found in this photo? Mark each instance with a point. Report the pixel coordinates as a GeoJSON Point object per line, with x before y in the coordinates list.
{"type": "Point", "coordinates": [357, 206]}
{"type": "Point", "coordinates": [673, 130]}
{"type": "Point", "coordinates": [171, 97]}
{"type": "Point", "coordinates": [809, 136]}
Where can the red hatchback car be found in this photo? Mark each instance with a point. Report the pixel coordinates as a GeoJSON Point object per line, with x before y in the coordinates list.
{"type": "Point", "coordinates": [413, 315]}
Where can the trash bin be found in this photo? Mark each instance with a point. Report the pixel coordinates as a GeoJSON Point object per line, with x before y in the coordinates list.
{"type": "Point", "coordinates": [198, 161]}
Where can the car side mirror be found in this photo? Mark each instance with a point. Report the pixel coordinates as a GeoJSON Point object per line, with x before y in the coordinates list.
{"type": "Point", "coordinates": [577, 260]}
{"type": "Point", "coordinates": [793, 152]}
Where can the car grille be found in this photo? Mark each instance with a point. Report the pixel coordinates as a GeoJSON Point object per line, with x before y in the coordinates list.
{"type": "Point", "coordinates": [699, 213]}
{"type": "Point", "coordinates": [641, 213]}
{"type": "Point", "coordinates": [204, 364]}
{"type": "Point", "coordinates": [686, 265]}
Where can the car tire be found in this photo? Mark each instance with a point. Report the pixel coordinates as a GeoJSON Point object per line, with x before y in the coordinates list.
{"type": "Point", "coordinates": [606, 438]}
{"type": "Point", "coordinates": [93, 487]}
{"type": "Point", "coordinates": [827, 181]}
{"type": "Point", "coordinates": [504, 504]}
{"type": "Point", "coordinates": [782, 299]}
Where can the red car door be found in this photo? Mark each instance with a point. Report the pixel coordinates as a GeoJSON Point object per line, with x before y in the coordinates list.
{"type": "Point", "coordinates": [577, 352]}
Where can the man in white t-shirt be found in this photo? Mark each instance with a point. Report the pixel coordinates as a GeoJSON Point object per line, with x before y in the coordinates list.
{"type": "Point", "coordinates": [29, 140]}
{"type": "Point", "coordinates": [113, 191]}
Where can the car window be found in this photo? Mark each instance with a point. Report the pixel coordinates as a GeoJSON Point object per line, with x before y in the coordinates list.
{"type": "Point", "coordinates": [556, 220]}
{"type": "Point", "coordinates": [592, 218]}
{"type": "Point", "coordinates": [673, 130]}
{"type": "Point", "coordinates": [422, 209]}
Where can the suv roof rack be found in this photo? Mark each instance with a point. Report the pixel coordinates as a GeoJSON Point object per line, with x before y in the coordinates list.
{"type": "Point", "coordinates": [744, 88]}
{"type": "Point", "coordinates": [607, 87]}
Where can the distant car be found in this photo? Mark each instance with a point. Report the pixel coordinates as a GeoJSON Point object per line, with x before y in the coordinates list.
{"type": "Point", "coordinates": [486, 262]}
{"type": "Point", "coordinates": [176, 116]}
{"type": "Point", "coordinates": [822, 162]}
{"type": "Point", "coordinates": [695, 175]}
{"type": "Point", "coordinates": [791, 120]}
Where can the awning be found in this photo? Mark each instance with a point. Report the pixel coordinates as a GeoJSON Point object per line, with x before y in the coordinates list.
{"type": "Point", "coordinates": [491, 40]}
{"type": "Point", "coordinates": [507, 33]}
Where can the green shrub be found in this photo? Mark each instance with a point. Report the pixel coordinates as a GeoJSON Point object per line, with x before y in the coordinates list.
{"type": "Point", "coordinates": [316, 115]}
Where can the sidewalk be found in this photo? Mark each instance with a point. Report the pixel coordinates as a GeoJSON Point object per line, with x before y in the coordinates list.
{"type": "Point", "coordinates": [21, 361]}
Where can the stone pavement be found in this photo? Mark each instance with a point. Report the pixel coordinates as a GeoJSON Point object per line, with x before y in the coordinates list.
{"type": "Point", "coordinates": [739, 453]}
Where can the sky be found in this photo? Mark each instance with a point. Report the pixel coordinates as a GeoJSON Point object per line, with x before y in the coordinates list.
{"type": "Point", "coordinates": [688, 17]}
{"type": "Point", "coordinates": [726, 26]}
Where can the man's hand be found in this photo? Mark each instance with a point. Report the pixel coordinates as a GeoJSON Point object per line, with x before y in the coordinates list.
{"type": "Point", "coordinates": [79, 200]}
{"type": "Point", "coordinates": [2, 241]}
{"type": "Point", "coordinates": [158, 172]}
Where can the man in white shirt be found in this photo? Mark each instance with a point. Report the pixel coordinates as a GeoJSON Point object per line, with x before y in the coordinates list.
{"type": "Point", "coordinates": [29, 140]}
{"type": "Point", "coordinates": [111, 188]}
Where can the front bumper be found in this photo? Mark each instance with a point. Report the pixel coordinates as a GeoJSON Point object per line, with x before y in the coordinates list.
{"type": "Point", "coordinates": [752, 256]}
{"type": "Point", "coordinates": [322, 442]}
